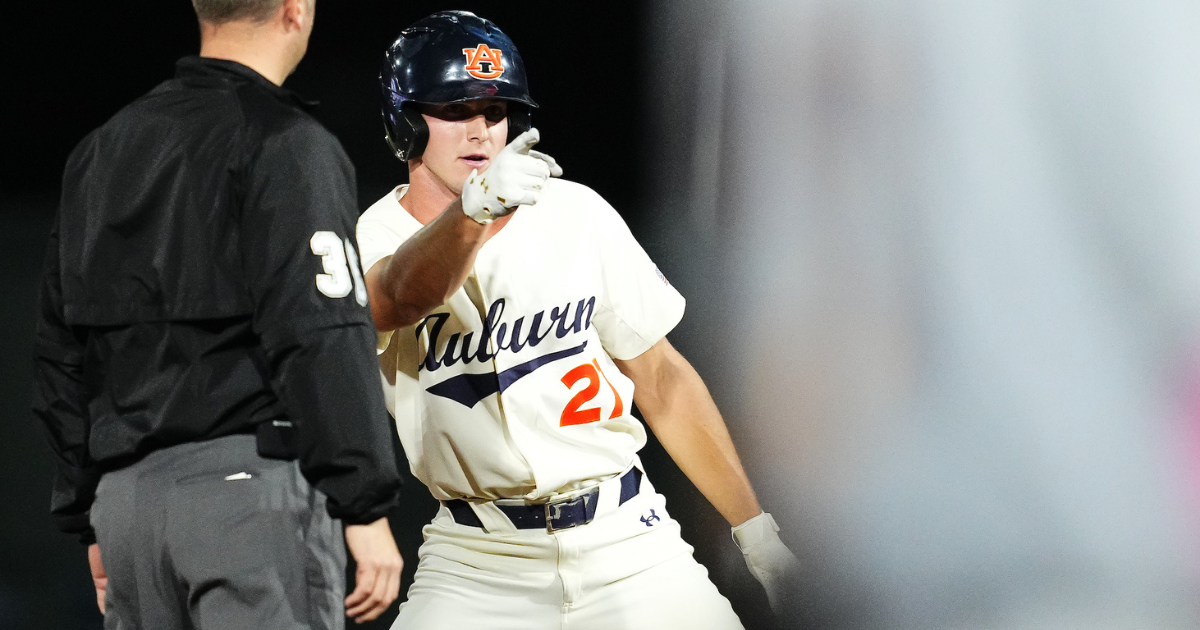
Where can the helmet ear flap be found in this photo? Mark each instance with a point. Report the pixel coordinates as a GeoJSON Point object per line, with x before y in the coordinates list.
{"type": "Point", "coordinates": [419, 131]}
{"type": "Point", "coordinates": [518, 120]}
{"type": "Point", "coordinates": [407, 136]}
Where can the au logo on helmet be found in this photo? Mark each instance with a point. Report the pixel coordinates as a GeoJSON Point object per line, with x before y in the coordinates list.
{"type": "Point", "coordinates": [481, 56]}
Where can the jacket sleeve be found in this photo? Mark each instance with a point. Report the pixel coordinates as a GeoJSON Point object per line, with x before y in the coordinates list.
{"type": "Point", "coordinates": [60, 402]}
{"type": "Point", "coordinates": [312, 317]}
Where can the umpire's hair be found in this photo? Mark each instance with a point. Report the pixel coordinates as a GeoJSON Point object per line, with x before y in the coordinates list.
{"type": "Point", "coordinates": [222, 11]}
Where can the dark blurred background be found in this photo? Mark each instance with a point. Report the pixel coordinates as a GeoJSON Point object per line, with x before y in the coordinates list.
{"type": "Point", "coordinates": [73, 65]}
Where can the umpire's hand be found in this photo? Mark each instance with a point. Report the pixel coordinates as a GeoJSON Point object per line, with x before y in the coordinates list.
{"type": "Point", "coordinates": [99, 577]}
{"type": "Point", "coordinates": [377, 582]}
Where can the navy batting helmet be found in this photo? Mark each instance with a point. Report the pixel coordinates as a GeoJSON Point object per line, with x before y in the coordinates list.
{"type": "Point", "coordinates": [449, 56]}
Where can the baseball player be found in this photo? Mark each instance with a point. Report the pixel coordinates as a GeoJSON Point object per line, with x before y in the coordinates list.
{"type": "Point", "coordinates": [518, 322]}
{"type": "Point", "coordinates": [204, 348]}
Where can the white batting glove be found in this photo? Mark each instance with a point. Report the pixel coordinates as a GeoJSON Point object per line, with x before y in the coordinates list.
{"type": "Point", "coordinates": [769, 561]}
{"type": "Point", "coordinates": [514, 178]}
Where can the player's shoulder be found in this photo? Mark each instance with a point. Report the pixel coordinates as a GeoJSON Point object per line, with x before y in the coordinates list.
{"type": "Point", "coordinates": [387, 214]}
{"type": "Point", "coordinates": [383, 227]}
{"type": "Point", "coordinates": [383, 210]}
{"type": "Point", "coordinates": [560, 189]}
{"type": "Point", "coordinates": [572, 199]}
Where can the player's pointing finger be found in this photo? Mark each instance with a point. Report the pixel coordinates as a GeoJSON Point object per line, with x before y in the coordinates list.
{"type": "Point", "coordinates": [525, 141]}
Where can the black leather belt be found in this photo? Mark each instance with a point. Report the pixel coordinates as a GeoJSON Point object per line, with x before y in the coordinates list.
{"type": "Point", "coordinates": [551, 516]}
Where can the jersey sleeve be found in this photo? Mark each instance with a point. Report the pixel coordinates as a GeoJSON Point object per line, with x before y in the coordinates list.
{"type": "Point", "coordinates": [377, 238]}
{"type": "Point", "coordinates": [638, 306]}
{"type": "Point", "coordinates": [311, 314]}
{"type": "Point", "coordinates": [60, 402]}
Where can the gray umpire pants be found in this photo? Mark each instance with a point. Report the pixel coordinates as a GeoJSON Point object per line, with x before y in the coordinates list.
{"type": "Point", "coordinates": [210, 536]}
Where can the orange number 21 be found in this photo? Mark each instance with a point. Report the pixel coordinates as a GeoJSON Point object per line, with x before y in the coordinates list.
{"type": "Point", "coordinates": [572, 414]}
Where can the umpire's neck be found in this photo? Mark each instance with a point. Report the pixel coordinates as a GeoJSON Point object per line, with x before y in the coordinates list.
{"type": "Point", "coordinates": [272, 47]}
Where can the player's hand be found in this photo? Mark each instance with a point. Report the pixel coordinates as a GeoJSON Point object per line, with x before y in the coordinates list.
{"type": "Point", "coordinates": [99, 577]}
{"type": "Point", "coordinates": [769, 561]}
{"type": "Point", "coordinates": [514, 178]}
{"type": "Point", "coordinates": [377, 582]}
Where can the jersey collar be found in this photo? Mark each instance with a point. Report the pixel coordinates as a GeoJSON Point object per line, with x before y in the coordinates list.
{"type": "Point", "coordinates": [209, 67]}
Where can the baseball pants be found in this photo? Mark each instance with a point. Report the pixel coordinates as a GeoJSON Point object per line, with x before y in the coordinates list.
{"type": "Point", "coordinates": [210, 536]}
{"type": "Point", "coordinates": [626, 569]}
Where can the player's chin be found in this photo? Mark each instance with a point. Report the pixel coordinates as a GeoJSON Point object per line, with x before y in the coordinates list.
{"type": "Point", "coordinates": [456, 182]}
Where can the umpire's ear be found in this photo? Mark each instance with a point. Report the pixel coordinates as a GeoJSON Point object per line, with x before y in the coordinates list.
{"type": "Point", "coordinates": [297, 16]}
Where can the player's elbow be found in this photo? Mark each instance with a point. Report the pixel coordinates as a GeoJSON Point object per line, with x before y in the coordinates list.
{"type": "Point", "coordinates": [665, 418]}
{"type": "Point", "coordinates": [418, 302]}
{"type": "Point", "coordinates": [655, 398]}
{"type": "Point", "coordinates": [388, 319]}
{"type": "Point", "coordinates": [409, 312]}
{"type": "Point", "coordinates": [672, 396]}
{"type": "Point", "coordinates": [391, 311]}
{"type": "Point", "coordinates": [407, 317]}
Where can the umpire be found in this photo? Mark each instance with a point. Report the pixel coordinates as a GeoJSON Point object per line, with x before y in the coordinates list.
{"type": "Point", "coordinates": [204, 362]}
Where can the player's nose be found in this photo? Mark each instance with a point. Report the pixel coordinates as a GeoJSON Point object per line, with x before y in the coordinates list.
{"type": "Point", "coordinates": [478, 129]}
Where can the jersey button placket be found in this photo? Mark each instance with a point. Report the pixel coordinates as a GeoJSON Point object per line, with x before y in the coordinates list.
{"type": "Point", "coordinates": [493, 347]}
{"type": "Point", "coordinates": [486, 299]}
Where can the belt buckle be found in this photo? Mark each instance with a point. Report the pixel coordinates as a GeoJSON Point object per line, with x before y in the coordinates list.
{"type": "Point", "coordinates": [551, 512]}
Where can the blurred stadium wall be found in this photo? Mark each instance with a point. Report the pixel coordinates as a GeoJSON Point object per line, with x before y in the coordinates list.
{"type": "Point", "coordinates": [943, 270]}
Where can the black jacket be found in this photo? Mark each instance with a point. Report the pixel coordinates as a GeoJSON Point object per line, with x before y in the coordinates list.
{"type": "Point", "coordinates": [201, 280]}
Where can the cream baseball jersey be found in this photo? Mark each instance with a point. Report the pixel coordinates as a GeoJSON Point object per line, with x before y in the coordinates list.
{"type": "Point", "coordinates": [508, 390]}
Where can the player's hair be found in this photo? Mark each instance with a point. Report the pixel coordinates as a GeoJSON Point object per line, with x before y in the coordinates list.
{"type": "Point", "coordinates": [222, 11]}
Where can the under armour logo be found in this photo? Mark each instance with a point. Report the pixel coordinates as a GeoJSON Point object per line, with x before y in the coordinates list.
{"type": "Point", "coordinates": [649, 520]}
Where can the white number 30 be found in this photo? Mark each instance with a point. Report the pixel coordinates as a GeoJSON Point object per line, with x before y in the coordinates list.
{"type": "Point", "coordinates": [339, 277]}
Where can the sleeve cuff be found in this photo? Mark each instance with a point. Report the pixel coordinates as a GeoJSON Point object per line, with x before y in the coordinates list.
{"type": "Point", "coordinates": [382, 339]}
{"type": "Point", "coordinates": [371, 515]}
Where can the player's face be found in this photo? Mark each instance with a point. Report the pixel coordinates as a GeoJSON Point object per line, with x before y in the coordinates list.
{"type": "Point", "coordinates": [463, 137]}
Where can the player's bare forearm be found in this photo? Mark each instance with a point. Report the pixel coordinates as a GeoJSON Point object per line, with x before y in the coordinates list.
{"type": "Point", "coordinates": [426, 270]}
{"type": "Point", "coordinates": [679, 409]}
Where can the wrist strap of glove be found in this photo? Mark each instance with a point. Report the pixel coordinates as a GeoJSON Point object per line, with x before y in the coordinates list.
{"type": "Point", "coordinates": [755, 531]}
{"type": "Point", "coordinates": [482, 215]}
{"type": "Point", "coordinates": [474, 202]}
